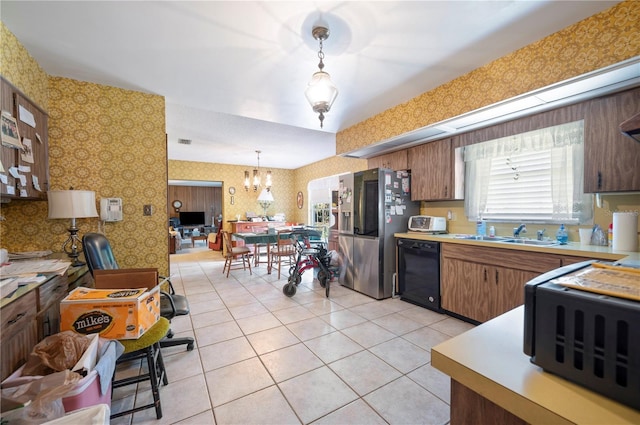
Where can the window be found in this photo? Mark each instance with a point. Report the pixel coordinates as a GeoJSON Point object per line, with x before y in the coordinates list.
{"type": "Point", "coordinates": [535, 176]}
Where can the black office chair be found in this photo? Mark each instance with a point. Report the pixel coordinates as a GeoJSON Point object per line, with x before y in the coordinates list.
{"type": "Point", "coordinates": [99, 256]}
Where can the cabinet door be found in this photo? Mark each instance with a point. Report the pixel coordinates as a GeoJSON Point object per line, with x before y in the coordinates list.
{"type": "Point", "coordinates": [8, 155]}
{"type": "Point", "coordinates": [18, 333]}
{"type": "Point", "coordinates": [432, 171]}
{"type": "Point", "coordinates": [50, 295]}
{"type": "Point", "coordinates": [611, 159]}
{"type": "Point", "coordinates": [508, 289]}
{"type": "Point", "coordinates": [464, 289]}
{"type": "Point", "coordinates": [394, 161]}
{"type": "Point", "coordinates": [34, 160]}
{"type": "Point", "coordinates": [36, 156]}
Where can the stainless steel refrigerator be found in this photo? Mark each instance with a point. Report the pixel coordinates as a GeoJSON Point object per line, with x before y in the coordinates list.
{"type": "Point", "coordinates": [374, 204]}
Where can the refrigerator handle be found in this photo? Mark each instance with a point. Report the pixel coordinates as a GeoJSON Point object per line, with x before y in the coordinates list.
{"type": "Point", "coordinates": [394, 281]}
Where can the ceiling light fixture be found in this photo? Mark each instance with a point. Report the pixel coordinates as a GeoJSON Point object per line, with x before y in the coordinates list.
{"type": "Point", "coordinates": [256, 181]}
{"type": "Point", "coordinates": [321, 92]}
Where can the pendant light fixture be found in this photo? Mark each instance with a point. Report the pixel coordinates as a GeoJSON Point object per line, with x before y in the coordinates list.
{"type": "Point", "coordinates": [321, 92]}
{"type": "Point", "coordinates": [256, 181]}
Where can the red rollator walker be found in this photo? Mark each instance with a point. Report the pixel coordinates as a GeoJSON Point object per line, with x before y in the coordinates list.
{"type": "Point", "coordinates": [312, 253]}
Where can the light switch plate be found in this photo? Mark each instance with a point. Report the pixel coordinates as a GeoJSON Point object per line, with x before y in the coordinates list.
{"type": "Point", "coordinates": [147, 210]}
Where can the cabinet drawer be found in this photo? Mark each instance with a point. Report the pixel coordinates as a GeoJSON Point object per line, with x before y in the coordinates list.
{"type": "Point", "coordinates": [18, 315]}
{"type": "Point", "coordinates": [52, 291]}
{"type": "Point", "coordinates": [519, 260]}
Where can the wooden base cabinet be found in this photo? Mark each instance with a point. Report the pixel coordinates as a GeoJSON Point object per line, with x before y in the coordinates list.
{"type": "Point", "coordinates": [34, 315]}
{"type": "Point", "coordinates": [483, 283]}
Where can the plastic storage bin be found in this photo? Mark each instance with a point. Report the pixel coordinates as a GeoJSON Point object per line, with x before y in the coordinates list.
{"type": "Point", "coordinates": [86, 392]}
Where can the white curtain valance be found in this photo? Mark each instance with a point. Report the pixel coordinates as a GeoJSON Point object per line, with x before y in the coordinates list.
{"type": "Point", "coordinates": [558, 136]}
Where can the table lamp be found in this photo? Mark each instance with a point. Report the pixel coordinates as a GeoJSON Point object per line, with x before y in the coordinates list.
{"type": "Point", "coordinates": [265, 199]}
{"type": "Point", "coordinates": [72, 204]}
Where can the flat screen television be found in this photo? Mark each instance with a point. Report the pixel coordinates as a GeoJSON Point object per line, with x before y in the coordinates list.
{"type": "Point", "coordinates": [192, 218]}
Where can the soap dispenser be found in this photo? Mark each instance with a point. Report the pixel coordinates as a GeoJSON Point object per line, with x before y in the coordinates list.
{"type": "Point", "coordinates": [561, 235]}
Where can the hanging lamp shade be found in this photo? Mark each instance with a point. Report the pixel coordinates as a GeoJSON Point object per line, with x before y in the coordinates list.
{"type": "Point", "coordinates": [321, 92]}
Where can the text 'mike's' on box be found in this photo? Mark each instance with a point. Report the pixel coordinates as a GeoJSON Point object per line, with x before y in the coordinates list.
{"type": "Point", "coordinates": [113, 313]}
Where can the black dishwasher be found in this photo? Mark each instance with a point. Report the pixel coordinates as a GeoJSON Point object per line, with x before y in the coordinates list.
{"type": "Point", "coordinates": [419, 273]}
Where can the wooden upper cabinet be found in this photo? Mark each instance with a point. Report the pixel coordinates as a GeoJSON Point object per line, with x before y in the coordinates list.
{"type": "Point", "coordinates": [33, 163]}
{"type": "Point", "coordinates": [432, 171]}
{"type": "Point", "coordinates": [611, 159]}
{"type": "Point", "coordinates": [395, 161]}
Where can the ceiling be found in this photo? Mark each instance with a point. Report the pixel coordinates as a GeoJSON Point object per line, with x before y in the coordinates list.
{"type": "Point", "coordinates": [233, 73]}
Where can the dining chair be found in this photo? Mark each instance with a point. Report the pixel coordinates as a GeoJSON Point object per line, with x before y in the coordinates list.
{"type": "Point", "coordinates": [234, 255]}
{"type": "Point", "coordinates": [260, 248]}
{"type": "Point", "coordinates": [284, 251]}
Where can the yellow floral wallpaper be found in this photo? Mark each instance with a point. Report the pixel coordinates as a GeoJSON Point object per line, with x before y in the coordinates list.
{"type": "Point", "coordinates": [19, 67]}
{"type": "Point", "coordinates": [286, 184]}
{"type": "Point", "coordinates": [598, 41]}
{"type": "Point", "coordinates": [233, 176]}
{"type": "Point", "coordinates": [105, 139]}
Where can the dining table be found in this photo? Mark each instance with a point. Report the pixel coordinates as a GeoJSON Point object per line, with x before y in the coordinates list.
{"type": "Point", "coordinates": [270, 238]}
{"type": "Point", "coordinates": [255, 239]}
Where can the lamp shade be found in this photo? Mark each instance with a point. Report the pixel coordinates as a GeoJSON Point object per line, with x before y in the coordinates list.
{"type": "Point", "coordinates": [321, 92]}
{"type": "Point", "coordinates": [265, 195]}
{"type": "Point", "coordinates": [72, 203]}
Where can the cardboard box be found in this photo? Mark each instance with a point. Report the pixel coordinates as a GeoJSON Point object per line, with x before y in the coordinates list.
{"type": "Point", "coordinates": [125, 278]}
{"type": "Point", "coordinates": [113, 313]}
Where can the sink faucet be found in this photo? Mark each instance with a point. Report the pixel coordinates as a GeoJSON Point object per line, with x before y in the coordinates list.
{"type": "Point", "coordinates": [541, 234]}
{"type": "Point", "coordinates": [520, 229]}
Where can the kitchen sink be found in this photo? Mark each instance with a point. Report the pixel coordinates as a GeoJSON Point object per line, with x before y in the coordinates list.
{"type": "Point", "coordinates": [533, 242]}
{"type": "Point", "coordinates": [484, 238]}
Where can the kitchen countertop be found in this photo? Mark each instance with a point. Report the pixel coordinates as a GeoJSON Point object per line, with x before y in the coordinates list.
{"type": "Point", "coordinates": [572, 248]}
{"type": "Point", "coordinates": [489, 360]}
{"type": "Point", "coordinates": [72, 274]}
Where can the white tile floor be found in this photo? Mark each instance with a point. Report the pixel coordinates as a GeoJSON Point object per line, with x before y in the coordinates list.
{"type": "Point", "coordinates": [264, 358]}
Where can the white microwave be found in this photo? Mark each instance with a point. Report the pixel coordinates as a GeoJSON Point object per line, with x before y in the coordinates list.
{"type": "Point", "coordinates": [427, 223]}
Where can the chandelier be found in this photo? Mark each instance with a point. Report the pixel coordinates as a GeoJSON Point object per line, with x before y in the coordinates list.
{"type": "Point", "coordinates": [256, 180]}
{"type": "Point", "coordinates": [321, 92]}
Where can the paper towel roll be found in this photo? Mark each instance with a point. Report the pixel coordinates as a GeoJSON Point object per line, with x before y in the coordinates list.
{"type": "Point", "coordinates": [625, 231]}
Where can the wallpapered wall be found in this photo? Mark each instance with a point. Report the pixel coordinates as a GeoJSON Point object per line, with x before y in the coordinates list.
{"type": "Point", "coordinates": [104, 139]}
{"type": "Point", "coordinates": [19, 67]}
{"type": "Point", "coordinates": [286, 184]}
{"type": "Point", "coordinates": [233, 176]}
{"type": "Point", "coordinates": [598, 41]}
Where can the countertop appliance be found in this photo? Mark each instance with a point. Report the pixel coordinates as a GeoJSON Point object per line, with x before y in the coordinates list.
{"type": "Point", "coordinates": [585, 337]}
{"type": "Point", "coordinates": [374, 204]}
{"type": "Point", "coordinates": [428, 224]}
{"type": "Point", "coordinates": [419, 273]}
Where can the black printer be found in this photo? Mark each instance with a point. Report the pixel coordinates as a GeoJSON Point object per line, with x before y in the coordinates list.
{"type": "Point", "coordinates": [588, 338]}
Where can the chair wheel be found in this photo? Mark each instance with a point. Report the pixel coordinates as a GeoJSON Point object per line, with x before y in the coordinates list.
{"type": "Point", "coordinates": [190, 345]}
{"type": "Point", "coordinates": [289, 289]}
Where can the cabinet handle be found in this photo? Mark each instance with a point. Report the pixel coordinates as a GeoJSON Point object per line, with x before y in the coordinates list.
{"type": "Point", "coordinates": [446, 191]}
{"type": "Point", "coordinates": [46, 324]}
{"type": "Point", "coordinates": [485, 275]}
{"type": "Point", "coordinates": [15, 319]}
{"type": "Point", "coordinates": [599, 180]}
{"type": "Point", "coordinates": [497, 276]}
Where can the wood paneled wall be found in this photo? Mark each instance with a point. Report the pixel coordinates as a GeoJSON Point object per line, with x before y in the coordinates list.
{"type": "Point", "coordinates": [196, 198]}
